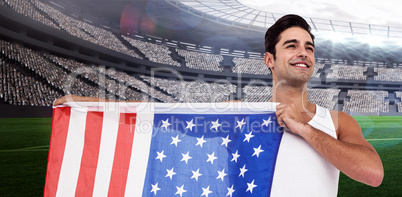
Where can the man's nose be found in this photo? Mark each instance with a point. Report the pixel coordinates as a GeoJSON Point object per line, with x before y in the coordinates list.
{"type": "Point", "coordinates": [302, 53]}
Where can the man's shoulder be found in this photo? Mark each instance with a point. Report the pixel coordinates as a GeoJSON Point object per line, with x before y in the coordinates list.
{"type": "Point", "coordinates": [342, 119]}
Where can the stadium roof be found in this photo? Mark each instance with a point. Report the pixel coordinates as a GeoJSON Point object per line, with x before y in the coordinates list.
{"type": "Point", "coordinates": [373, 18]}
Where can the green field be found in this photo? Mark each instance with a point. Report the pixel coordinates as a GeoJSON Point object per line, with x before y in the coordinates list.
{"type": "Point", "coordinates": [24, 147]}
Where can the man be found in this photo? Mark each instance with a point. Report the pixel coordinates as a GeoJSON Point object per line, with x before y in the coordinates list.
{"type": "Point", "coordinates": [336, 136]}
{"type": "Point", "coordinates": [333, 139]}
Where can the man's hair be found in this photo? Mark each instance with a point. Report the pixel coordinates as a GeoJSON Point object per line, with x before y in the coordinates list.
{"type": "Point", "coordinates": [272, 35]}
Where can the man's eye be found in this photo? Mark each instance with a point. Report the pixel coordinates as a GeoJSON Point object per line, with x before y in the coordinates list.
{"type": "Point", "coordinates": [311, 49]}
{"type": "Point", "coordinates": [291, 46]}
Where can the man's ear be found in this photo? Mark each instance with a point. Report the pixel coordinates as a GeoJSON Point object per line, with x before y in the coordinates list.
{"type": "Point", "coordinates": [269, 60]}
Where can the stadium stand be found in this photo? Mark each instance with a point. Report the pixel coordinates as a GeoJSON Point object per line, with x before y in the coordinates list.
{"type": "Point", "coordinates": [28, 9]}
{"type": "Point", "coordinates": [317, 67]}
{"type": "Point", "coordinates": [366, 101]}
{"type": "Point", "coordinates": [399, 105]}
{"type": "Point", "coordinates": [322, 97]}
{"type": "Point", "coordinates": [250, 66]}
{"type": "Point", "coordinates": [388, 74]}
{"type": "Point", "coordinates": [137, 84]}
{"type": "Point", "coordinates": [257, 93]}
{"type": "Point", "coordinates": [69, 76]}
{"type": "Point", "coordinates": [154, 52]}
{"type": "Point", "coordinates": [201, 61]}
{"type": "Point", "coordinates": [19, 89]}
{"type": "Point", "coordinates": [91, 73]}
{"type": "Point", "coordinates": [194, 91]}
{"type": "Point", "coordinates": [55, 73]}
{"type": "Point", "coordinates": [347, 72]}
{"type": "Point", "coordinates": [49, 16]}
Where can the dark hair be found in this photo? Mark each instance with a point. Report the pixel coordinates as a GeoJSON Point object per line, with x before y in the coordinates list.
{"type": "Point", "coordinates": [272, 35]}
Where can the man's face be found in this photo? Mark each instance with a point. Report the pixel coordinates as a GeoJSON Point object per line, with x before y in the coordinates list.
{"type": "Point", "coordinates": [294, 63]}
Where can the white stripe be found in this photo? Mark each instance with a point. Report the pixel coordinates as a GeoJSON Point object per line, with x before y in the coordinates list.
{"type": "Point", "coordinates": [70, 166]}
{"type": "Point", "coordinates": [107, 147]}
{"type": "Point", "coordinates": [140, 153]}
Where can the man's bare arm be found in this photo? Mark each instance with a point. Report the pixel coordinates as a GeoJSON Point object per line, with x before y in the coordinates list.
{"type": "Point", "coordinates": [75, 98]}
{"type": "Point", "coordinates": [350, 153]}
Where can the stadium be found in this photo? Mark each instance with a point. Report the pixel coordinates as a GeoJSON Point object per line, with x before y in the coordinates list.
{"type": "Point", "coordinates": [173, 51]}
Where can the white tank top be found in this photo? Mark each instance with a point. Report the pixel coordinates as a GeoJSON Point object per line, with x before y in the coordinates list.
{"type": "Point", "coordinates": [300, 170]}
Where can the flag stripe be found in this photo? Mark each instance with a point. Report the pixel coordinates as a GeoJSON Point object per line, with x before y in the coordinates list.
{"type": "Point", "coordinates": [140, 154]}
{"type": "Point", "coordinates": [73, 153]}
{"type": "Point", "coordinates": [61, 119]}
{"type": "Point", "coordinates": [122, 155]}
{"type": "Point", "coordinates": [86, 177]}
{"type": "Point", "coordinates": [106, 153]}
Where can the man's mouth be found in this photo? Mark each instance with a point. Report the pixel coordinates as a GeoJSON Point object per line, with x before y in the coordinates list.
{"type": "Point", "coordinates": [301, 65]}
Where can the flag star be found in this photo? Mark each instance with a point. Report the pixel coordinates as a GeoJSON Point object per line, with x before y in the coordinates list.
{"type": "Point", "coordinates": [250, 186]}
{"type": "Point", "coordinates": [196, 174]}
{"type": "Point", "coordinates": [248, 137]}
{"type": "Point", "coordinates": [235, 156]}
{"type": "Point", "coordinates": [155, 188]}
{"type": "Point", "coordinates": [206, 191]}
{"type": "Point", "coordinates": [211, 157]}
{"type": "Point", "coordinates": [216, 125]}
{"type": "Point", "coordinates": [226, 141]}
{"type": "Point", "coordinates": [257, 151]}
{"type": "Point", "coordinates": [160, 155]}
{"type": "Point", "coordinates": [180, 190]}
{"type": "Point", "coordinates": [221, 174]}
{"type": "Point", "coordinates": [240, 123]}
{"type": "Point", "coordinates": [200, 141]}
{"type": "Point", "coordinates": [266, 122]}
{"type": "Point", "coordinates": [175, 140]}
{"type": "Point", "coordinates": [170, 173]}
{"type": "Point", "coordinates": [230, 191]}
{"type": "Point", "coordinates": [190, 125]}
{"type": "Point", "coordinates": [243, 170]}
{"type": "Point", "coordinates": [186, 157]}
{"type": "Point", "coordinates": [165, 123]}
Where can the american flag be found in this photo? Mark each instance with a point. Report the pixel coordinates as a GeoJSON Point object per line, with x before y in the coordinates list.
{"type": "Point", "coordinates": [147, 149]}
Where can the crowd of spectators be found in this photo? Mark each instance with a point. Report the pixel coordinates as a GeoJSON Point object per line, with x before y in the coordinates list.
{"type": "Point", "coordinates": [49, 16]}
{"type": "Point", "coordinates": [193, 91]}
{"type": "Point", "coordinates": [91, 73]}
{"type": "Point", "coordinates": [28, 9]}
{"type": "Point", "coordinates": [154, 52]}
{"type": "Point", "coordinates": [317, 67]}
{"type": "Point", "coordinates": [137, 84]}
{"type": "Point", "coordinates": [347, 72]}
{"type": "Point", "coordinates": [366, 101]}
{"type": "Point", "coordinates": [388, 74]}
{"type": "Point", "coordinates": [17, 88]}
{"type": "Point", "coordinates": [203, 61]}
{"type": "Point", "coordinates": [250, 66]}
{"type": "Point", "coordinates": [321, 97]}
{"type": "Point", "coordinates": [399, 105]}
{"type": "Point", "coordinates": [54, 76]}
{"type": "Point", "coordinates": [68, 76]}
{"type": "Point", "coordinates": [257, 93]}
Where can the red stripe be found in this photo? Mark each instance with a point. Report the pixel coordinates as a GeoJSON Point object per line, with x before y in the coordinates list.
{"type": "Point", "coordinates": [122, 155]}
{"type": "Point", "coordinates": [90, 153]}
{"type": "Point", "coordinates": [60, 123]}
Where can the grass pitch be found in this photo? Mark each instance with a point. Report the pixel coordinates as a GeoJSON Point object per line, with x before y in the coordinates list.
{"type": "Point", "coordinates": [24, 147]}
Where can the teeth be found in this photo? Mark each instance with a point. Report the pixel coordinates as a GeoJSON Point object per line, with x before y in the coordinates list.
{"type": "Point", "coordinates": [301, 65]}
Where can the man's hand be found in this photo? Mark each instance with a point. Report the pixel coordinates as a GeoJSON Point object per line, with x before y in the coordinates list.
{"type": "Point", "coordinates": [290, 117]}
{"type": "Point", "coordinates": [75, 98]}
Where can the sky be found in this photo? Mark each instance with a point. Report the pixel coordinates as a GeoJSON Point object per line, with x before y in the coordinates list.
{"type": "Point", "coordinates": [375, 12]}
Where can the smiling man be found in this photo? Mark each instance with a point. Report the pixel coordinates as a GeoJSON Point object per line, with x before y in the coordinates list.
{"type": "Point", "coordinates": [323, 142]}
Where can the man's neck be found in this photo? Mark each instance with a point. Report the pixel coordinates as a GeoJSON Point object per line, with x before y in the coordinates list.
{"type": "Point", "coordinates": [292, 95]}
